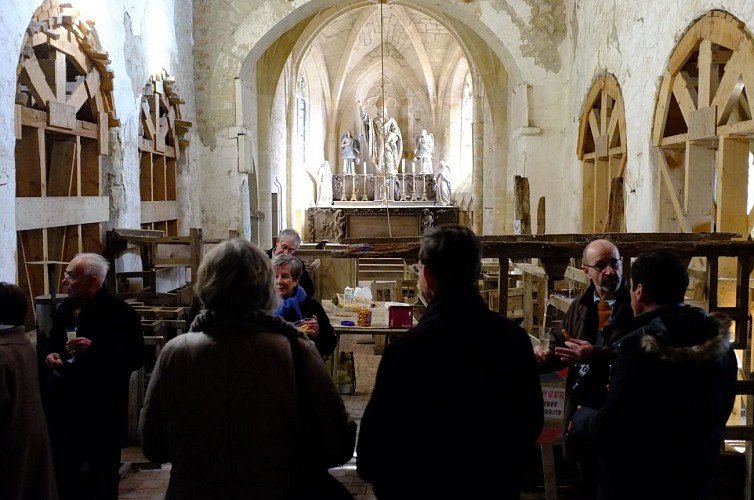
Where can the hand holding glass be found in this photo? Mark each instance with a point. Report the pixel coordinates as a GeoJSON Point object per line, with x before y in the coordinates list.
{"type": "Point", "coordinates": [71, 334]}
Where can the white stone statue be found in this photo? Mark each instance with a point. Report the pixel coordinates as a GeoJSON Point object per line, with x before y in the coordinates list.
{"type": "Point", "coordinates": [384, 140]}
{"type": "Point", "coordinates": [442, 184]}
{"type": "Point", "coordinates": [324, 185]}
{"type": "Point", "coordinates": [425, 146]}
{"type": "Point", "coordinates": [350, 149]}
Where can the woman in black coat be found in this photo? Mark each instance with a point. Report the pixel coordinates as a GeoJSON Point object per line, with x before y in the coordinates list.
{"type": "Point", "coordinates": [295, 306]}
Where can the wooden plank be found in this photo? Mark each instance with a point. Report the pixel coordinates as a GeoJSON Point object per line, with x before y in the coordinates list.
{"type": "Point", "coordinates": [33, 77]}
{"type": "Point", "coordinates": [702, 124]}
{"type": "Point", "coordinates": [684, 50]}
{"type": "Point", "coordinates": [594, 123]}
{"type": "Point", "coordinates": [52, 211]}
{"type": "Point", "coordinates": [704, 64]}
{"type": "Point", "coordinates": [661, 110]}
{"type": "Point", "coordinates": [541, 216]}
{"type": "Point", "coordinates": [730, 88]}
{"type": "Point", "coordinates": [103, 134]}
{"type": "Point", "coordinates": [29, 163]}
{"type": "Point", "coordinates": [683, 96]}
{"type": "Point", "coordinates": [60, 77]}
{"type": "Point", "coordinates": [78, 95]}
{"type": "Point", "coordinates": [62, 168]}
{"type": "Point", "coordinates": [153, 211]}
{"type": "Point", "coordinates": [61, 115]}
{"type": "Point", "coordinates": [732, 166]}
{"type": "Point", "coordinates": [601, 193]}
{"type": "Point", "coordinates": [35, 118]}
{"type": "Point", "coordinates": [671, 190]}
{"type": "Point", "coordinates": [522, 203]}
{"type": "Point", "coordinates": [587, 197]}
{"type": "Point", "coordinates": [699, 176]}
{"type": "Point", "coordinates": [146, 122]}
{"type": "Point", "coordinates": [616, 202]}
{"type": "Point", "coordinates": [90, 168]}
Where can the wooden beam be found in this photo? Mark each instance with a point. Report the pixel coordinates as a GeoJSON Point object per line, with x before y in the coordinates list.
{"type": "Point", "coordinates": [62, 168]}
{"type": "Point", "coordinates": [33, 77]}
{"type": "Point", "coordinates": [672, 191]}
{"type": "Point", "coordinates": [522, 203]}
{"type": "Point", "coordinates": [704, 64]}
{"type": "Point", "coordinates": [155, 211]}
{"type": "Point", "coordinates": [683, 96]}
{"type": "Point", "coordinates": [732, 174]}
{"type": "Point", "coordinates": [699, 175]}
{"type": "Point", "coordinates": [37, 213]}
{"type": "Point", "coordinates": [38, 119]}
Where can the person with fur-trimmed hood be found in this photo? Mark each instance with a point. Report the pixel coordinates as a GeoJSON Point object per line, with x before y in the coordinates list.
{"type": "Point", "coordinates": [658, 435]}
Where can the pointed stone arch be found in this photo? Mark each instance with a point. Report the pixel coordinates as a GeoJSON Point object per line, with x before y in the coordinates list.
{"type": "Point", "coordinates": [161, 140]}
{"type": "Point", "coordinates": [702, 128]}
{"type": "Point", "coordinates": [602, 151]}
{"type": "Point", "coordinates": [64, 109]}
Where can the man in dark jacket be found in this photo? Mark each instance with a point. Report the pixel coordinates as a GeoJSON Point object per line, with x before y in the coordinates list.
{"type": "Point", "coordinates": [457, 401]}
{"type": "Point", "coordinates": [92, 373]}
{"type": "Point", "coordinates": [588, 324]}
{"type": "Point", "coordinates": [671, 392]}
{"type": "Point", "coordinates": [287, 243]}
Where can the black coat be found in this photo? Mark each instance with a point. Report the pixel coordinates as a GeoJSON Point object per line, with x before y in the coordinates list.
{"type": "Point", "coordinates": [456, 404]}
{"type": "Point", "coordinates": [658, 435]}
{"type": "Point", "coordinates": [95, 386]}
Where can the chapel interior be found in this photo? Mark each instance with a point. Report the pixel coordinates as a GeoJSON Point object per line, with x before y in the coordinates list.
{"type": "Point", "coordinates": [149, 131]}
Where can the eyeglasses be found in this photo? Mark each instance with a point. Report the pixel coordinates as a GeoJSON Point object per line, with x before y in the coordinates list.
{"type": "Point", "coordinates": [602, 265]}
{"type": "Point", "coordinates": [70, 276]}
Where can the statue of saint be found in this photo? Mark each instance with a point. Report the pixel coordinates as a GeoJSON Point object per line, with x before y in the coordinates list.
{"type": "Point", "coordinates": [350, 149]}
{"type": "Point", "coordinates": [442, 184]}
{"type": "Point", "coordinates": [425, 146]}
{"type": "Point", "coordinates": [324, 185]}
{"type": "Point", "coordinates": [384, 140]}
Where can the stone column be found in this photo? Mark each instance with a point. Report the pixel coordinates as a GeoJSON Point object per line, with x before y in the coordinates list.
{"type": "Point", "coordinates": [477, 134]}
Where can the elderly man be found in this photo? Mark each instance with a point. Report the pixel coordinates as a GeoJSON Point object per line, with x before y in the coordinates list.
{"type": "Point", "coordinates": [287, 243]}
{"type": "Point", "coordinates": [584, 345]}
{"type": "Point", "coordinates": [658, 435]}
{"type": "Point", "coordinates": [93, 370]}
{"type": "Point", "coordinates": [470, 371]}
{"type": "Point", "coordinates": [25, 461]}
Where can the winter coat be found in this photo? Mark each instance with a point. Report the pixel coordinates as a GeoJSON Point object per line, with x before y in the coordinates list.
{"type": "Point", "coordinates": [223, 407]}
{"type": "Point", "coordinates": [659, 433]}
{"type": "Point", "coordinates": [455, 407]}
{"type": "Point", "coordinates": [26, 469]}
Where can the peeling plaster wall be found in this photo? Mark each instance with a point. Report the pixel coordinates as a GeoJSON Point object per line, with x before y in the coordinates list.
{"type": "Point", "coordinates": [632, 40]}
{"type": "Point", "coordinates": [141, 37]}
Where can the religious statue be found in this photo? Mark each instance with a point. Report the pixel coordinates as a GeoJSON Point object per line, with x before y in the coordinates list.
{"type": "Point", "coordinates": [384, 140]}
{"type": "Point", "coordinates": [350, 149]}
{"type": "Point", "coordinates": [442, 184]}
{"type": "Point", "coordinates": [425, 145]}
{"type": "Point", "coordinates": [324, 185]}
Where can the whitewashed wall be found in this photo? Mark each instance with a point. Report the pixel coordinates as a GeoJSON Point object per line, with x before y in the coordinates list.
{"type": "Point", "coordinates": [141, 37]}
{"type": "Point", "coordinates": [632, 40]}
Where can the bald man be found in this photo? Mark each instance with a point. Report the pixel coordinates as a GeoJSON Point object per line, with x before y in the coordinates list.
{"type": "Point", "coordinates": [585, 346]}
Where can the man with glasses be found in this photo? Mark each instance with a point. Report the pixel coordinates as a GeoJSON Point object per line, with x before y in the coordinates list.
{"type": "Point", "coordinates": [95, 343]}
{"type": "Point", "coordinates": [672, 388]}
{"type": "Point", "coordinates": [583, 345]}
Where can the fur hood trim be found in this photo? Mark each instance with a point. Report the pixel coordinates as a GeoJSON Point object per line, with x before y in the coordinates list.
{"type": "Point", "coordinates": [715, 347]}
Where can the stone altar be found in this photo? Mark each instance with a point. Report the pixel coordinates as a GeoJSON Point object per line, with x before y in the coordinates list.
{"type": "Point", "coordinates": [370, 220]}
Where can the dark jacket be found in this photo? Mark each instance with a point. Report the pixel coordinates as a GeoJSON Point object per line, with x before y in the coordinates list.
{"type": "Point", "coordinates": [25, 461]}
{"type": "Point", "coordinates": [96, 383]}
{"type": "Point", "coordinates": [670, 396]}
{"type": "Point", "coordinates": [306, 281]}
{"type": "Point", "coordinates": [455, 406]}
{"type": "Point", "coordinates": [587, 385]}
{"type": "Point", "coordinates": [238, 431]}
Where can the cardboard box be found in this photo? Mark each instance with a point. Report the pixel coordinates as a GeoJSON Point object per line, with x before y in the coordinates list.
{"type": "Point", "coordinates": [399, 315]}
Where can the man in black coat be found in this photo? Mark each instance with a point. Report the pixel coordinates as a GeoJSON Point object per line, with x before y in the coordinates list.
{"type": "Point", "coordinates": [658, 435]}
{"type": "Point", "coordinates": [457, 401]}
{"type": "Point", "coordinates": [91, 374]}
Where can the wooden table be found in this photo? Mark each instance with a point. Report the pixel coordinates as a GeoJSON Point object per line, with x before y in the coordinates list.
{"type": "Point", "coordinates": [378, 326]}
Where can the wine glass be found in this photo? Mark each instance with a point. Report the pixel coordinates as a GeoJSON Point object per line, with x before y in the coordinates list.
{"type": "Point", "coordinates": [71, 334]}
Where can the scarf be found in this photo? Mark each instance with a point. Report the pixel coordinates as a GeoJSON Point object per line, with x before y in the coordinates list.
{"type": "Point", "coordinates": [214, 322]}
{"type": "Point", "coordinates": [290, 307]}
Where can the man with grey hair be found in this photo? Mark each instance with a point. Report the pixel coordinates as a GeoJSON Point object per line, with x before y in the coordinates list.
{"type": "Point", "coordinates": [287, 243]}
{"type": "Point", "coordinates": [95, 343]}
